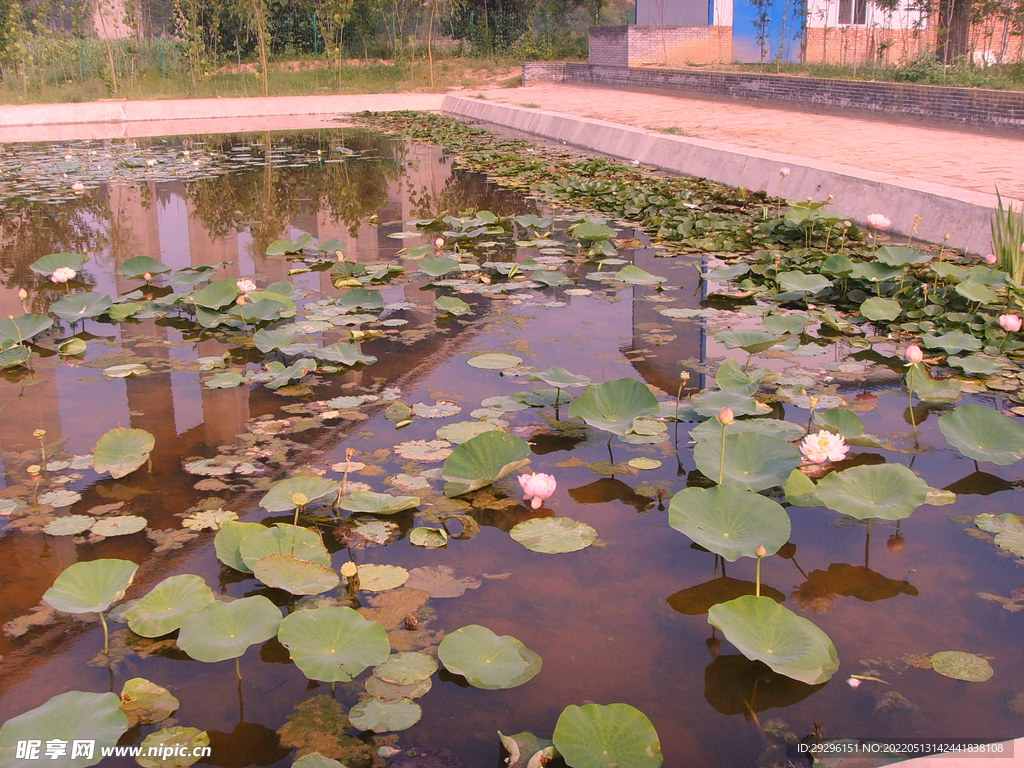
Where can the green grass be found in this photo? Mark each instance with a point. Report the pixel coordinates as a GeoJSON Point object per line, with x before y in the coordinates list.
{"type": "Point", "coordinates": [315, 80]}
{"type": "Point", "coordinates": [674, 130]}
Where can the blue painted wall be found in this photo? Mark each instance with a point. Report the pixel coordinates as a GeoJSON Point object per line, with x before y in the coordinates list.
{"type": "Point", "coordinates": [744, 34]}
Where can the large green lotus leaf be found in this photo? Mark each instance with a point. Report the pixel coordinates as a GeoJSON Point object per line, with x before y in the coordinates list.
{"type": "Point", "coordinates": [976, 365]}
{"type": "Point", "coordinates": [590, 231]}
{"type": "Point", "coordinates": [285, 247]}
{"type": "Point", "coordinates": [728, 521]}
{"type": "Point", "coordinates": [229, 537]}
{"type": "Point", "coordinates": [931, 390]}
{"type": "Point", "coordinates": [137, 267]}
{"type": "Point", "coordinates": [885, 491]}
{"type": "Point", "coordinates": [901, 256]}
{"type": "Point", "coordinates": [633, 275]}
{"type": "Point", "coordinates": [486, 660]}
{"type": "Point", "coordinates": [360, 298]}
{"type": "Point", "coordinates": [763, 630]}
{"type": "Point", "coordinates": [840, 421]}
{"type": "Point", "coordinates": [119, 525]}
{"type": "Point", "coordinates": [216, 295]}
{"type": "Point", "coordinates": [711, 402]}
{"type": "Point", "coordinates": [558, 377]}
{"type": "Point", "coordinates": [876, 309]}
{"type": "Point", "coordinates": [406, 668]}
{"type": "Point", "coordinates": [553, 535]}
{"type": "Point", "coordinates": [379, 716]}
{"type": "Point", "coordinates": [952, 342]}
{"type": "Point", "coordinates": [283, 376]}
{"type": "Point", "coordinates": [298, 577]}
{"type": "Point", "coordinates": [146, 702]}
{"type": "Point", "coordinates": [753, 462]}
{"type": "Point", "coordinates": [607, 736]}
{"type": "Point", "coordinates": [751, 342]}
{"type": "Point", "coordinates": [224, 631]}
{"type": "Point", "coordinates": [875, 272]}
{"type": "Point", "coordinates": [69, 717]}
{"type": "Point", "coordinates": [54, 261]}
{"type": "Point", "coordinates": [90, 586]}
{"type": "Point", "coordinates": [374, 577]}
{"type": "Point", "coordinates": [731, 377]}
{"type": "Point", "coordinates": [429, 538]}
{"type": "Point", "coordinates": [977, 292]}
{"type": "Point", "coordinates": [267, 341]}
{"type": "Point", "coordinates": [389, 691]}
{"type": "Point", "coordinates": [525, 750]}
{"type": "Point", "coordinates": [494, 361]}
{"type": "Point", "coordinates": [453, 306]}
{"type": "Point", "coordinates": [613, 405]}
{"type": "Point", "coordinates": [81, 306]}
{"type": "Point", "coordinates": [333, 643]}
{"type": "Point", "coordinates": [785, 430]}
{"type": "Point", "coordinates": [461, 431]}
{"type": "Point", "coordinates": [799, 490]}
{"type": "Point", "coordinates": [436, 266]}
{"type": "Point", "coordinates": [121, 451]}
{"type": "Point", "coordinates": [796, 280]}
{"type": "Point", "coordinates": [13, 357]}
{"type": "Point", "coordinates": [278, 541]}
{"type": "Point", "coordinates": [984, 434]}
{"type": "Point", "coordinates": [71, 525]}
{"type": "Point", "coordinates": [23, 327]}
{"type": "Point", "coordinates": [962, 666]}
{"type": "Point", "coordinates": [377, 503]}
{"type": "Point", "coordinates": [176, 747]}
{"type": "Point", "coordinates": [482, 460]}
{"type": "Point", "coordinates": [344, 353]}
{"type": "Point", "coordinates": [280, 497]}
{"type": "Point", "coordinates": [168, 604]}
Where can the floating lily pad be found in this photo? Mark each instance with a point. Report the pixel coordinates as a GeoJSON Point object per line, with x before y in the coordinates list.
{"type": "Point", "coordinates": [424, 450]}
{"type": "Point", "coordinates": [642, 462]}
{"type": "Point", "coordinates": [526, 750]}
{"type": "Point", "coordinates": [278, 541]}
{"type": "Point", "coordinates": [333, 643]}
{"type": "Point", "coordinates": [298, 577]}
{"type": "Point", "coordinates": [799, 490]}
{"type": "Point", "coordinates": [69, 717]}
{"type": "Point", "coordinates": [168, 604]}
{"type": "Point", "coordinates": [614, 405]}
{"type": "Point", "coordinates": [486, 660]}
{"type": "Point", "coordinates": [877, 309]}
{"type": "Point", "coordinates": [406, 668]}
{"type": "Point", "coordinates": [125, 371]}
{"type": "Point", "coordinates": [633, 275]}
{"type": "Point", "coordinates": [453, 306]}
{"type": "Point", "coordinates": [440, 581]}
{"type": "Point", "coordinates": [122, 525]}
{"type": "Point", "coordinates": [462, 431]}
{"type": "Point", "coordinates": [606, 736]}
{"type": "Point", "coordinates": [495, 361]}
{"type": "Point", "coordinates": [90, 586]}
{"type": "Point", "coordinates": [553, 535]}
{"type": "Point", "coordinates": [13, 357]}
{"type": "Point", "coordinates": [222, 631]}
{"type": "Point", "coordinates": [711, 402]}
{"type": "Point", "coordinates": [430, 538]}
{"type": "Point", "coordinates": [71, 525]}
{"type": "Point", "coordinates": [228, 539]}
{"type": "Point", "coordinates": [379, 578]}
{"type": "Point", "coordinates": [146, 702]}
{"type": "Point", "coordinates": [345, 354]}
{"type": "Point", "coordinates": [482, 460]}
{"type": "Point", "coordinates": [763, 630]}
{"type": "Point", "coordinates": [753, 462]}
{"type": "Point", "coordinates": [962, 666]}
{"type": "Point", "coordinates": [389, 691]}
{"type": "Point", "coordinates": [377, 503]}
{"type": "Point", "coordinates": [175, 747]}
{"type": "Point", "coordinates": [729, 521]}
{"type": "Point", "coordinates": [121, 451]}
{"type": "Point", "coordinates": [280, 498]}
{"type": "Point", "coordinates": [380, 716]}
{"type": "Point", "coordinates": [951, 343]}
{"type": "Point", "coordinates": [885, 491]}
{"type": "Point", "coordinates": [316, 760]}
{"type": "Point", "coordinates": [983, 434]}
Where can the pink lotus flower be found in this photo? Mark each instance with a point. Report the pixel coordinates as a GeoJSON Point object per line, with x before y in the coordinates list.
{"type": "Point", "coordinates": [823, 447]}
{"type": "Point", "coordinates": [1010, 323]}
{"type": "Point", "coordinates": [784, 170]}
{"type": "Point", "coordinates": [537, 486]}
{"type": "Point", "coordinates": [439, 243]}
{"type": "Point", "coordinates": [62, 275]}
{"type": "Point", "coordinates": [879, 221]}
{"type": "Point", "coordinates": [245, 285]}
{"type": "Point", "coordinates": [914, 354]}
{"type": "Point", "coordinates": [991, 259]}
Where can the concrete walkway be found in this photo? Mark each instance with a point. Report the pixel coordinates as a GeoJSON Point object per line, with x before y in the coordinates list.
{"type": "Point", "coordinates": [974, 161]}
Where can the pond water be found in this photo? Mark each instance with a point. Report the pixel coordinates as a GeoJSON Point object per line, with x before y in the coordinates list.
{"type": "Point", "coordinates": [624, 620]}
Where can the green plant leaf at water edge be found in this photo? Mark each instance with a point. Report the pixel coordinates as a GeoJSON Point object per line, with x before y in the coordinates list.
{"type": "Point", "coordinates": [983, 434]}
{"type": "Point", "coordinates": [121, 451]}
{"type": "Point", "coordinates": [885, 491]}
{"type": "Point", "coordinates": [279, 541]}
{"type": "Point", "coordinates": [487, 660]}
{"type": "Point", "coordinates": [91, 586]}
{"type": "Point", "coordinates": [175, 747]}
{"type": "Point", "coordinates": [762, 630]}
{"type": "Point", "coordinates": [607, 736]}
{"type": "Point", "coordinates": [482, 460]}
{"type": "Point", "coordinates": [553, 535]}
{"type": "Point", "coordinates": [222, 631]}
{"type": "Point", "coordinates": [962, 666]}
{"type": "Point", "coordinates": [168, 604]}
{"type": "Point", "coordinates": [69, 717]}
{"type": "Point", "coordinates": [333, 644]}
{"type": "Point", "coordinates": [613, 405]}
{"type": "Point", "coordinates": [752, 462]}
{"type": "Point", "coordinates": [280, 498]}
{"type": "Point", "coordinates": [729, 521]}
{"type": "Point", "coordinates": [374, 714]}
{"type": "Point", "coordinates": [293, 575]}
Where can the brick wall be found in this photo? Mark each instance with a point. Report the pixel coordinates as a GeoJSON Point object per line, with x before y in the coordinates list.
{"type": "Point", "coordinates": [970, 106]}
{"type": "Point", "coordinates": [852, 44]}
{"type": "Point", "coordinates": [637, 46]}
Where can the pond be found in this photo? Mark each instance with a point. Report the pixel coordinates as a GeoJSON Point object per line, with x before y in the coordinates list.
{"type": "Point", "coordinates": [380, 339]}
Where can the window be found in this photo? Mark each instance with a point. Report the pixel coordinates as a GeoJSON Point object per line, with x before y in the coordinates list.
{"type": "Point", "coordinates": [853, 11]}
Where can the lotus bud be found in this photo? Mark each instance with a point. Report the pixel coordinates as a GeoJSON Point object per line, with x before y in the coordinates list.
{"type": "Point", "coordinates": [299, 499]}
{"type": "Point", "coordinates": [991, 259]}
{"type": "Point", "coordinates": [914, 354]}
{"type": "Point", "coordinates": [760, 551]}
{"type": "Point", "coordinates": [784, 171]}
{"type": "Point", "coordinates": [350, 454]}
{"type": "Point", "coordinates": [22, 294]}
{"type": "Point", "coordinates": [947, 236]}
{"type": "Point", "coordinates": [39, 433]}
{"type": "Point", "coordinates": [725, 416]}
{"type": "Point", "coordinates": [1010, 323]}
{"type": "Point", "coordinates": [240, 300]}
{"type": "Point", "coordinates": [147, 276]}
{"type": "Point", "coordinates": [10, 317]}
{"type": "Point", "coordinates": [896, 543]}
{"type": "Point", "coordinates": [439, 243]}
{"type": "Point", "coordinates": [34, 469]}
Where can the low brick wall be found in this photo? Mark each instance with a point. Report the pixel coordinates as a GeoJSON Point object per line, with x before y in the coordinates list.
{"type": "Point", "coordinates": [636, 46]}
{"type": "Point", "coordinates": [854, 44]}
{"type": "Point", "coordinates": [964, 106]}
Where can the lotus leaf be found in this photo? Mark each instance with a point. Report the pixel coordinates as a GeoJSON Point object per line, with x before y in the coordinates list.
{"type": "Point", "coordinates": [377, 503]}
{"type": "Point", "coordinates": [752, 462]}
{"type": "Point", "coordinates": [607, 736]}
{"type": "Point", "coordinates": [175, 747]}
{"type": "Point", "coordinates": [590, 231]}
{"type": "Point", "coordinates": [526, 750]}
{"type": "Point", "coordinates": [901, 256]}
{"type": "Point", "coordinates": [389, 691]}
{"type": "Point", "coordinates": [298, 577]}
{"type": "Point", "coordinates": [168, 604]}
{"type": "Point", "coordinates": [962, 666]}
{"type": "Point", "coordinates": [486, 660]}
{"type": "Point", "coordinates": [983, 434]}
{"type": "Point", "coordinates": [453, 306]}
{"type": "Point", "coordinates": [632, 275]}
{"type": "Point", "coordinates": [429, 538]}
{"type": "Point", "coordinates": [146, 702]}
{"type": "Point", "coordinates": [121, 451]}
{"type": "Point", "coordinates": [222, 631]}
{"type": "Point", "coordinates": [228, 539]}
{"type": "Point", "coordinates": [553, 535]}
{"type": "Point", "coordinates": [406, 668]}
{"type": "Point", "coordinates": [885, 491]}
{"type": "Point", "coordinates": [711, 402]}
{"type": "Point", "coordinates": [24, 327]}
{"type": "Point", "coordinates": [482, 460]}
{"type": "Point", "coordinates": [91, 586]}
{"type": "Point", "coordinates": [732, 378]}
{"type": "Point", "coordinates": [495, 361]}
{"type": "Point", "coordinates": [558, 377]}
{"type": "Point", "coordinates": [316, 760]}
{"type": "Point", "coordinates": [285, 247]}
{"type": "Point", "coordinates": [122, 525]}
{"type": "Point", "coordinates": [462, 431]}
{"type": "Point", "coordinates": [801, 282]}
{"type": "Point", "coordinates": [137, 267]}
{"type": "Point", "coordinates": [799, 490]}
{"type": "Point", "coordinates": [216, 295]}
{"type": "Point", "coordinates": [763, 630]}
{"type": "Point", "coordinates": [751, 342]}
{"type": "Point", "coordinates": [380, 578]}
{"type": "Point", "coordinates": [81, 306]}
{"type": "Point", "coordinates": [70, 525]}
{"type": "Point", "coordinates": [13, 357]}
{"type": "Point", "coordinates": [784, 430]}
{"type": "Point", "coordinates": [840, 421]}
{"type": "Point", "coordinates": [278, 541]}
{"type": "Point", "coordinates": [333, 643]}
{"type": "Point", "coordinates": [267, 341]}
{"type": "Point", "coordinates": [976, 365]}
{"type": "Point", "coordinates": [542, 397]}
{"type": "Point", "coordinates": [876, 309]}
{"type": "Point", "coordinates": [279, 497]}
{"type": "Point", "coordinates": [613, 405]}
{"type": "Point", "coordinates": [346, 354]}
{"type": "Point", "coordinates": [952, 342]}
{"type": "Point", "coordinates": [728, 521]}
{"type": "Point", "coordinates": [72, 347]}
{"type": "Point", "coordinates": [379, 716]}
{"type": "Point", "coordinates": [69, 717]}
{"type": "Point", "coordinates": [47, 265]}
{"type": "Point", "coordinates": [931, 390]}
{"type": "Point", "coordinates": [360, 298]}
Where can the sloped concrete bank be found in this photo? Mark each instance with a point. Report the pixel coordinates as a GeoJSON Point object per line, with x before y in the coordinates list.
{"type": "Point", "coordinates": [962, 213]}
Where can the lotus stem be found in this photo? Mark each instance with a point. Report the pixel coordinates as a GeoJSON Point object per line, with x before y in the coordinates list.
{"type": "Point", "coordinates": [39, 434]}
{"type": "Point", "coordinates": [910, 402]}
{"type": "Point", "coordinates": [757, 578]}
{"type": "Point", "coordinates": [238, 669]}
{"type": "Point", "coordinates": [721, 457]}
{"type": "Point", "coordinates": [106, 635]}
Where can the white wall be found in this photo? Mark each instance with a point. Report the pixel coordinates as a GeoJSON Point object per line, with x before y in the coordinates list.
{"type": "Point", "coordinates": [821, 13]}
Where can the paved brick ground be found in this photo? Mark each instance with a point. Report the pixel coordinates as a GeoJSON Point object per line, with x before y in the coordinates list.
{"type": "Point", "coordinates": [976, 161]}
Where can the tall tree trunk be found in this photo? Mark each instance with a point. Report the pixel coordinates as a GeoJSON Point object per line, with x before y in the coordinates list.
{"type": "Point", "coordinates": [110, 50]}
